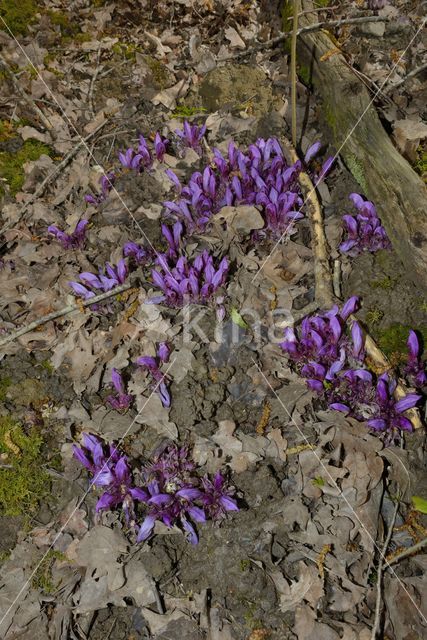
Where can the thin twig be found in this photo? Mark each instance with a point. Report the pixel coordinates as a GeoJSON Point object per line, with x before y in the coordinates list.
{"type": "Point", "coordinates": [411, 74]}
{"type": "Point", "coordinates": [42, 186]}
{"type": "Point", "coordinates": [380, 574]}
{"type": "Point", "coordinates": [407, 552]}
{"type": "Point", "coordinates": [31, 103]}
{"type": "Point", "coordinates": [63, 312]}
{"type": "Point", "coordinates": [322, 273]}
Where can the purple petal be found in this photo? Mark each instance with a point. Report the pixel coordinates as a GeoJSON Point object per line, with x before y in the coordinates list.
{"type": "Point", "coordinates": [413, 345]}
{"type": "Point", "coordinates": [339, 406]}
{"type": "Point", "coordinates": [349, 307]}
{"type": "Point", "coordinates": [189, 494]}
{"type": "Point", "coordinates": [228, 503]}
{"type": "Point", "coordinates": [312, 151]}
{"type": "Point", "coordinates": [197, 514]}
{"type": "Point", "coordinates": [408, 402]}
{"type": "Point", "coordinates": [146, 528]}
{"type": "Point", "coordinates": [106, 501]}
{"type": "Point", "coordinates": [192, 535]}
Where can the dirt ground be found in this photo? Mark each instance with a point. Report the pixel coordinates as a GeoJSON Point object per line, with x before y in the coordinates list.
{"type": "Point", "coordinates": [316, 490]}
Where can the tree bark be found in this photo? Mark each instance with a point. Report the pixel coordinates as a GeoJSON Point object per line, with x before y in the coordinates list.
{"type": "Point", "coordinates": [384, 176]}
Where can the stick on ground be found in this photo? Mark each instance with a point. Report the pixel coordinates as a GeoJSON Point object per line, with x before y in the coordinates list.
{"type": "Point", "coordinates": [62, 312]}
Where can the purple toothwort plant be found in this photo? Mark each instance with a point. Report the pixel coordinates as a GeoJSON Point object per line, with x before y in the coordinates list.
{"type": "Point", "coordinates": [104, 281]}
{"type": "Point", "coordinates": [322, 348]}
{"type": "Point", "coordinates": [107, 183]}
{"type": "Point", "coordinates": [137, 253]}
{"type": "Point", "coordinates": [364, 232]}
{"type": "Point", "coordinates": [184, 282]}
{"type": "Point", "coordinates": [121, 400]}
{"type": "Point", "coordinates": [415, 367]}
{"type": "Point", "coordinates": [191, 136]}
{"type": "Point", "coordinates": [74, 240]}
{"type": "Point", "coordinates": [217, 497]}
{"type": "Point", "coordinates": [172, 491]}
{"type": "Point", "coordinates": [378, 406]}
{"type": "Point", "coordinates": [173, 237]}
{"type": "Point", "coordinates": [153, 366]}
{"type": "Point", "coordinates": [179, 497]}
{"type": "Point", "coordinates": [110, 471]}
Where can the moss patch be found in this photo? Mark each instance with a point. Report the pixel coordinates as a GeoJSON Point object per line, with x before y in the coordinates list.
{"type": "Point", "coordinates": [42, 579]}
{"type": "Point", "coordinates": [17, 14]}
{"type": "Point", "coordinates": [4, 385]}
{"type": "Point", "coordinates": [357, 170]}
{"type": "Point", "coordinates": [11, 164]}
{"type": "Point", "coordinates": [22, 482]}
{"type": "Point", "coordinates": [392, 341]}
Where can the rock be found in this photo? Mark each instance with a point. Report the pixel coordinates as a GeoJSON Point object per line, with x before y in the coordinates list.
{"type": "Point", "coordinates": [372, 29]}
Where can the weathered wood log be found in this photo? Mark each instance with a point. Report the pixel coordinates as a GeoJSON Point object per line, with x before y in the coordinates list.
{"type": "Point", "coordinates": [384, 176]}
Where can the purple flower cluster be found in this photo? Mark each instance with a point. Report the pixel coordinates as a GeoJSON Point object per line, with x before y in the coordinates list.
{"type": "Point", "coordinates": [191, 136]}
{"type": "Point", "coordinates": [364, 232]}
{"type": "Point", "coordinates": [376, 404]}
{"type": "Point", "coordinates": [110, 471]}
{"type": "Point", "coordinates": [121, 400]}
{"type": "Point", "coordinates": [104, 281]}
{"type": "Point", "coordinates": [153, 365]}
{"type": "Point", "coordinates": [138, 254]}
{"type": "Point", "coordinates": [107, 183]}
{"type": "Point", "coordinates": [259, 177]}
{"type": "Point", "coordinates": [323, 348]}
{"type": "Point", "coordinates": [332, 364]}
{"type": "Point", "coordinates": [172, 492]}
{"type": "Point", "coordinates": [74, 240]}
{"type": "Point", "coordinates": [182, 281]}
{"type": "Point", "coordinates": [142, 158]}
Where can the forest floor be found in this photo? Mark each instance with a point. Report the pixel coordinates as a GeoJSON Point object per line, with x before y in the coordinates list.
{"type": "Point", "coordinates": [317, 491]}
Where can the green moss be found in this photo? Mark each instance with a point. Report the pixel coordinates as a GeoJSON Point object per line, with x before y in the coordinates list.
{"type": "Point", "coordinates": [11, 164]}
{"type": "Point", "coordinates": [245, 565]}
{"type": "Point", "coordinates": [127, 50]}
{"type": "Point", "coordinates": [47, 366]}
{"type": "Point", "coordinates": [42, 579]}
{"type": "Point", "coordinates": [385, 283]}
{"type": "Point", "coordinates": [374, 316]}
{"type": "Point", "coordinates": [17, 14]}
{"type": "Point", "coordinates": [392, 341]}
{"type": "Point", "coordinates": [357, 170]}
{"type": "Point", "coordinates": [5, 555]}
{"type": "Point", "coordinates": [184, 111]}
{"type": "Point", "coordinates": [23, 482]}
{"type": "Point", "coordinates": [4, 385]}
{"type": "Point", "coordinates": [305, 74]}
{"type": "Point", "coordinates": [420, 164]}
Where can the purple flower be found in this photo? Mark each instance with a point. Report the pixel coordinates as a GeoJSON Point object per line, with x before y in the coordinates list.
{"type": "Point", "coordinates": [389, 415]}
{"type": "Point", "coordinates": [130, 159]}
{"type": "Point", "coordinates": [188, 282]}
{"type": "Point", "coordinates": [322, 342]}
{"type": "Point", "coordinates": [179, 497]}
{"type": "Point", "coordinates": [191, 136]}
{"type": "Point", "coordinates": [312, 152]}
{"type": "Point", "coordinates": [363, 232]}
{"type": "Point", "coordinates": [107, 183]}
{"type": "Point", "coordinates": [173, 237]}
{"type": "Point", "coordinates": [160, 146]}
{"type": "Point", "coordinates": [74, 240]}
{"type": "Point", "coordinates": [121, 400]}
{"type": "Point", "coordinates": [104, 281]}
{"type": "Point", "coordinates": [140, 255]}
{"type": "Point", "coordinates": [217, 497]}
{"type": "Point", "coordinates": [153, 364]}
{"type": "Point", "coordinates": [415, 368]}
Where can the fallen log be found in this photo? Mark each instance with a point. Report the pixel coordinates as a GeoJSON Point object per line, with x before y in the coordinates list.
{"type": "Point", "coordinates": [384, 176]}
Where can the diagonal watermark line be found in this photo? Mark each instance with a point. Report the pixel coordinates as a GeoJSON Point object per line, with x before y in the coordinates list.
{"type": "Point", "coordinates": [348, 136]}
{"type": "Point", "coordinates": [79, 504]}
{"type": "Point", "coordinates": [82, 142]}
{"type": "Point", "coordinates": [342, 495]}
